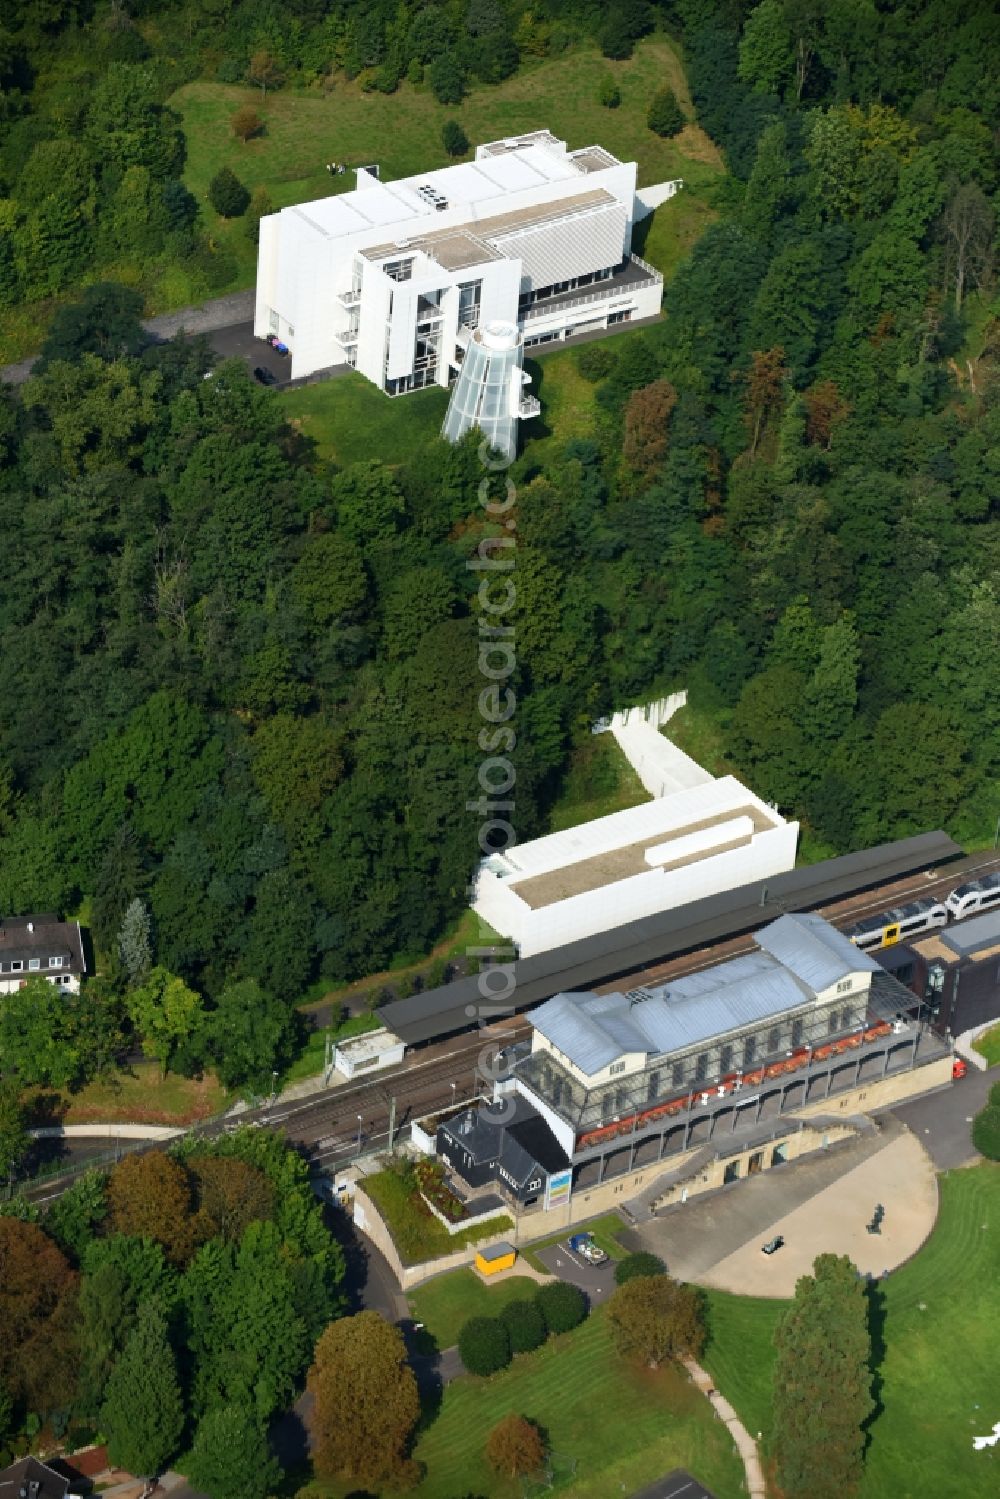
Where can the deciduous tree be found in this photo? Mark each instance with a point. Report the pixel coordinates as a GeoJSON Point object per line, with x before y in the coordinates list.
{"type": "Point", "coordinates": [515, 1447]}
{"type": "Point", "coordinates": [38, 1314]}
{"type": "Point", "coordinates": [165, 1012]}
{"type": "Point", "coordinates": [366, 1402]}
{"type": "Point", "coordinates": [653, 1318]}
{"type": "Point", "coordinates": [264, 71]}
{"type": "Point", "coordinates": [246, 123]}
{"type": "Point", "coordinates": [149, 1196]}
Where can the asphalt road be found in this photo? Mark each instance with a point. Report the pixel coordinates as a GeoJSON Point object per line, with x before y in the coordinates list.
{"type": "Point", "coordinates": [676, 1485]}
{"type": "Point", "coordinates": [942, 1121]}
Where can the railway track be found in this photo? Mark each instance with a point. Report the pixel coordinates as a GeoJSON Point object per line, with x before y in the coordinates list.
{"type": "Point", "coordinates": [327, 1127]}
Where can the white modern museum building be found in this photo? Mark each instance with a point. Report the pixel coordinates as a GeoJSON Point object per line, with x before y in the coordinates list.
{"type": "Point", "coordinates": [396, 278]}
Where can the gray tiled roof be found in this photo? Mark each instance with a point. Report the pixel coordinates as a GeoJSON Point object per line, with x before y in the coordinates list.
{"type": "Point", "coordinates": [594, 1030]}
{"type": "Point", "coordinates": [813, 949]}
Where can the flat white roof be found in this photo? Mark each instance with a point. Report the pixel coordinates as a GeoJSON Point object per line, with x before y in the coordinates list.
{"type": "Point", "coordinates": [599, 853]}
{"type": "Point", "coordinates": [474, 186]}
{"type": "Point", "coordinates": [369, 1044]}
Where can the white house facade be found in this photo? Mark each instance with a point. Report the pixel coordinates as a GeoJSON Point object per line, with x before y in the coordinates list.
{"type": "Point", "coordinates": [394, 278]}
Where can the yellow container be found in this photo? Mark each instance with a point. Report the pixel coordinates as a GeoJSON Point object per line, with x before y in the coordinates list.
{"type": "Point", "coordinates": [494, 1258]}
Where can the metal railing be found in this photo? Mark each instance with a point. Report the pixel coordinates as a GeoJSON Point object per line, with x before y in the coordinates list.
{"type": "Point", "coordinates": [611, 289]}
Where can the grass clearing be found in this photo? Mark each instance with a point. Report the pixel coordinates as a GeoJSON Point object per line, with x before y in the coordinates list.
{"type": "Point", "coordinates": [350, 420]}
{"type": "Point", "coordinates": [415, 1231]}
{"type": "Point", "coordinates": [137, 1095]}
{"type": "Point", "coordinates": [444, 1305]}
{"type": "Point", "coordinates": [988, 1045]}
{"type": "Point", "coordinates": [309, 1062]}
{"type": "Point", "coordinates": [941, 1367]}
{"type": "Point", "coordinates": [598, 781]}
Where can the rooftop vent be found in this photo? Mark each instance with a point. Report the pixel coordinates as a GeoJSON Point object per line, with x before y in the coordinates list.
{"type": "Point", "coordinates": [636, 996]}
{"type": "Point", "coordinates": [432, 196]}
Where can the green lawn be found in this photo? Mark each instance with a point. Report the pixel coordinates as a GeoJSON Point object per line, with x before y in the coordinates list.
{"type": "Point", "coordinates": [605, 1231]}
{"type": "Point", "coordinates": [611, 1428]}
{"type": "Point", "coordinates": [136, 1095]}
{"type": "Point", "coordinates": [402, 132]}
{"type": "Point", "coordinates": [349, 419]}
{"type": "Point", "coordinates": [941, 1370]}
{"type": "Point", "coordinates": [598, 780]}
{"type": "Point", "coordinates": [444, 1305]}
{"type": "Point", "coordinates": [417, 1234]}
{"type": "Point", "coordinates": [988, 1045]}
{"type": "Point", "coordinates": [309, 1062]}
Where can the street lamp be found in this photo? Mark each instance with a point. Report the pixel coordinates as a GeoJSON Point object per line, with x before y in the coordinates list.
{"type": "Point", "coordinates": [274, 1085]}
{"type": "Point", "coordinates": [453, 1087]}
{"type": "Point", "coordinates": [359, 1134]}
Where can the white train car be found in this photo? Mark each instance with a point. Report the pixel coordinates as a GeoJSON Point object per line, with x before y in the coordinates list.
{"type": "Point", "coordinates": [973, 897]}
{"type": "Point", "coordinates": [898, 924]}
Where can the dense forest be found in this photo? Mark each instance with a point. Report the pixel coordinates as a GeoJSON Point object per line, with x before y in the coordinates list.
{"type": "Point", "coordinates": [241, 687]}
{"type": "Point", "coordinates": [170, 1304]}
{"type": "Point", "coordinates": [92, 154]}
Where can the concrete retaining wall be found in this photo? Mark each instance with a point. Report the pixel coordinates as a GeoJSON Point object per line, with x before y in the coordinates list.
{"type": "Point", "coordinates": [369, 1220]}
{"type": "Point", "coordinates": [106, 1132]}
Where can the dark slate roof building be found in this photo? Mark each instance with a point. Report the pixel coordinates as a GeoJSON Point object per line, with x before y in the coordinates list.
{"type": "Point", "coordinates": [32, 1479]}
{"type": "Point", "coordinates": [517, 1154]}
{"type": "Point", "coordinates": [40, 947]}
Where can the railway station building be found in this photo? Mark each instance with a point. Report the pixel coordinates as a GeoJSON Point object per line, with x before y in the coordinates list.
{"type": "Point", "coordinates": [629, 1080]}
{"type": "Point", "coordinates": [395, 278]}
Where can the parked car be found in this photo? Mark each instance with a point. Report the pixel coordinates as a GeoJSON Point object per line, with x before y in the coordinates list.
{"type": "Point", "coordinates": [959, 1068]}
{"type": "Point", "coordinates": [264, 376]}
{"type": "Point", "coordinates": [584, 1246]}
{"type": "Point", "coordinates": [772, 1245]}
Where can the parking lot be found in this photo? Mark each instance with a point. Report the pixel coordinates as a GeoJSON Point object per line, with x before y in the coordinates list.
{"type": "Point", "coordinates": [237, 342]}
{"type": "Point", "coordinates": [598, 1281]}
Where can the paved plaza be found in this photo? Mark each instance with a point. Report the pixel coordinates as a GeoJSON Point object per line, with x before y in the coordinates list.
{"type": "Point", "coordinates": [819, 1204]}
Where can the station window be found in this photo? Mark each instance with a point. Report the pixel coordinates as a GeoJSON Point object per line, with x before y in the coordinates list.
{"type": "Point", "coordinates": [701, 1067]}
{"type": "Point", "coordinates": [749, 1051]}
{"type": "Point", "coordinates": [616, 1067]}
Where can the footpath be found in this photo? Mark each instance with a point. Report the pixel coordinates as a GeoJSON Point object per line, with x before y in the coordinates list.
{"type": "Point", "coordinates": [745, 1444]}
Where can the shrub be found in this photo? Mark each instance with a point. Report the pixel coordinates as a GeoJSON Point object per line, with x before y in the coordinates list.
{"type": "Point", "coordinates": [246, 123]}
{"type": "Point", "coordinates": [665, 116]}
{"type": "Point", "coordinates": [525, 1326]}
{"type": "Point", "coordinates": [595, 361]}
{"type": "Point", "coordinates": [227, 194]}
{"type": "Point", "coordinates": [638, 1264]}
{"type": "Point", "coordinates": [446, 79]}
{"type": "Point", "coordinates": [456, 142]}
{"type": "Point", "coordinates": [562, 1306]}
{"type": "Point", "coordinates": [484, 1345]}
{"type": "Point", "coordinates": [610, 94]}
{"type": "Point", "coordinates": [986, 1132]}
{"type": "Point", "coordinates": [614, 42]}
{"type": "Point", "coordinates": [515, 1447]}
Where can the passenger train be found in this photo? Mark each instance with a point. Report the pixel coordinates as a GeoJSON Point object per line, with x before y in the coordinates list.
{"type": "Point", "coordinates": [911, 920]}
